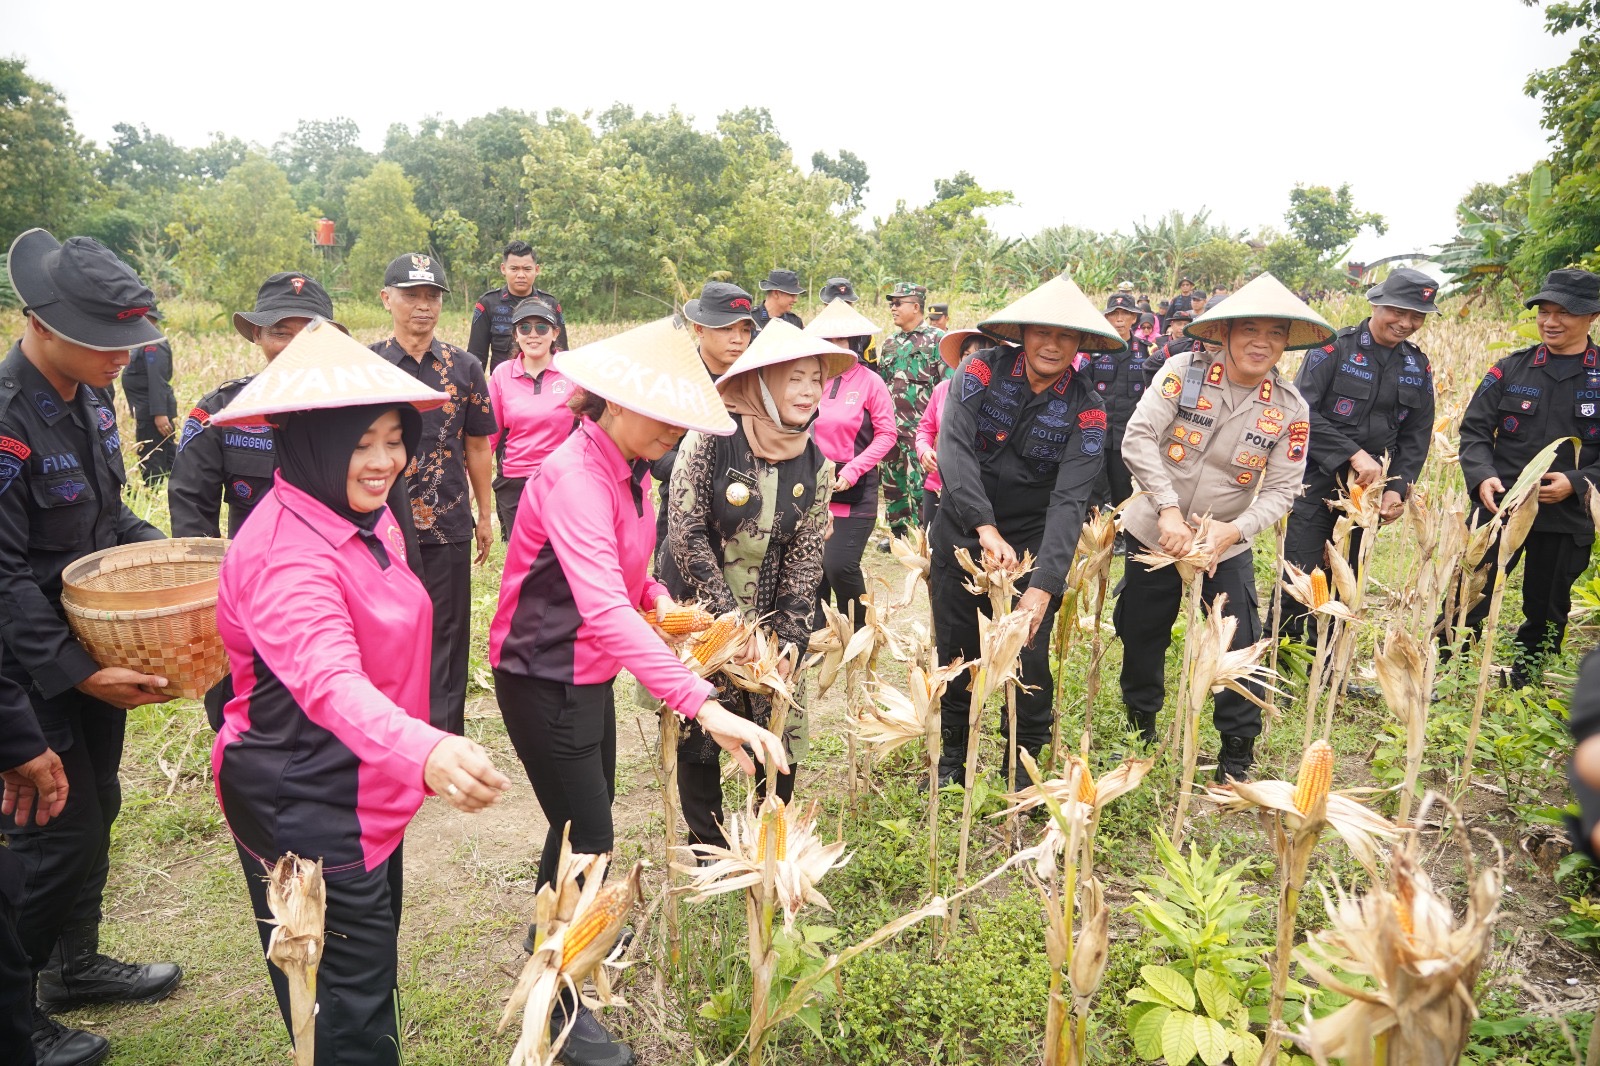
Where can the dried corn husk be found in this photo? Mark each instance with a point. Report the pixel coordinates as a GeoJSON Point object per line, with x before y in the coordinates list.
{"type": "Point", "coordinates": [298, 900]}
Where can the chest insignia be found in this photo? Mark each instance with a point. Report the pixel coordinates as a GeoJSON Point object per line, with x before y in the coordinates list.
{"type": "Point", "coordinates": [737, 494]}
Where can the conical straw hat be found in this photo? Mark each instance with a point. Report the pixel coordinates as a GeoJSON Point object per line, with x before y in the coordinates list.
{"type": "Point", "coordinates": [1058, 302]}
{"type": "Point", "coordinates": [323, 368]}
{"type": "Point", "coordinates": [654, 369]}
{"type": "Point", "coordinates": [950, 344]}
{"type": "Point", "coordinates": [779, 342]}
{"type": "Point", "coordinates": [1264, 297]}
{"type": "Point", "coordinates": [839, 319]}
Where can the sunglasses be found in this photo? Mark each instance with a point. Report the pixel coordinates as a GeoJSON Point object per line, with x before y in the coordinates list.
{"type": "Point", "coordinates": [541, 328]}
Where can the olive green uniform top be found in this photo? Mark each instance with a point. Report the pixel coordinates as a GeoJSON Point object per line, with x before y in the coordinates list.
{"type": "Point", "coordinates": [1237, 453]}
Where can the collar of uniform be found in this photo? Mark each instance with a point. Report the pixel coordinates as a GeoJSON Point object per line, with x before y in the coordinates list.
{"type": "Point", "coordinates": [393, 351]}
{"type": "Point", "coordinates": [34, 385]}
{"type": "Point", "coordinates": [520, 371]}
{"type": "Point", "coordinates": [605, 450]}
{"type": "Point", "coordinates": [330, 527]}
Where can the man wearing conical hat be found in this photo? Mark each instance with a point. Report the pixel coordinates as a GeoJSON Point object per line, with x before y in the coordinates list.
{"type": "Point", "coordinates": [1222, 437]}
{"type": "Point", "coordinates": [909, 363]}
{"type": "Point", "coordinates": [61, 478]}
{"type": "Point", "coordinates": [1528, 399]}
{"type": "Point", "coordinates": [1370, 390]}
{"type": "Point", "coordinates": [1021, 441]}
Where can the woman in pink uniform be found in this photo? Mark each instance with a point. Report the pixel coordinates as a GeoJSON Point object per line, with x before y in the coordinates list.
{"type": "Point", "coordinates": [855, 428]}
{"type": "Point", "coordinates": [325, 748]}
{"type": "Point", "coordinates": [576, 577]}
{"type": "Point", "coordinates": [952, 349]}
{"type": "Point", "coordinates": [529, 397]}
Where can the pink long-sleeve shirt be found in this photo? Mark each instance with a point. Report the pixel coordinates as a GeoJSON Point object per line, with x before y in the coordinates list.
{"type": "Point", "coordinates": [928, 433]}
{"type": "Point", "coordinates": [532, 412]}
{"type": "Point", "coordinates": [855, 428]}
{"type": "Point", "coordinates": [577, 572]}
{"type": "Point", "coordinates": [322, 748]}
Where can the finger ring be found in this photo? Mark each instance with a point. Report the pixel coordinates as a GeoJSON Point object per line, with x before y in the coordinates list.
{"type": "Point", "coordinates": [451, 790]}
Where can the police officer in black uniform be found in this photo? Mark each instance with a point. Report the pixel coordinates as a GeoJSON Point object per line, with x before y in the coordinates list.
{"type": "Point", "coordinates": [1526, 400]}
{"type": "Point", "coordinates": [1119, 379]}
{"type": "Point", "coordinates": [61, 478]}
{"type": "Point", "coordinates": [1371, 396]}
{"type": "Point", "coordinates": [491, 339]}
{"type": "Point", "coordinates": [147, 382]}
{"type": "Point", "coordinates": [1021, 442]}
{"type": "Point", "coordinates": [782, 288]}
{"type": "Point", "coordinates": [235, 465]}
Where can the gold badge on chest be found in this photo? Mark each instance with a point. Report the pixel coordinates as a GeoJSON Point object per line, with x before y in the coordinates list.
{"type": "Point", "coordinates": [738, 494]}
{"type": "Point", "coordinates": [799, 490]}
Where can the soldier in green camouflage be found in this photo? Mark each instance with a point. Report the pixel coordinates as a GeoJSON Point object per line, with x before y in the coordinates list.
{"type": "Point", "coordinates": [909, 363]}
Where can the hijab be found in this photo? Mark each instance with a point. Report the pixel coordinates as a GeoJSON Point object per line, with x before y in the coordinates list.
{"type": "Point", "coordinates": [750, 396]}
{"type": "Point", "coordinates": [314, 450]}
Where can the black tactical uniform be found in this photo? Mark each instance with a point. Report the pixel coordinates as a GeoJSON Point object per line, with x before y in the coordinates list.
{"type": "Point", "coordinates": [217, 465]}
{"type": "Point", "coordinates": [493, 337]}
{"type": "Point", "coordinates": [1119, 379]}
{"type": "Point", "coordinates": [1025, 463]}
{"type": "Point", "coordinates": [147, 382]}
{"type": "Point", "coordinates": [1525, 401]}
{"type": "Point", "coordinates": [1363, 397]}
{"type": "Point", "coordinates": [20, 742]}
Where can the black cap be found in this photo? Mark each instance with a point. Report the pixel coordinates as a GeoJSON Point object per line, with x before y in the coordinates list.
{"type": "Point", "coordinates": [412, 270]}
{"type": "Point", "coordinates": [1121, 301]}
{"type": "Point", "coordinates": [533, 307]}
{"type": "Point", "coordinates": [783, 281]}
{"type": "Point", "coordinates": [290, 294]}
{"type": "Point", "coordinates": [939, 309]}
{"type": "Point", "coordinates": [1578, 291]}
{"type": "Point", "coordinates": [721, 303]}
{"type": "Point", "coordinates": [81, 291]}
{"type": "Point", "coordinates": [1183, 313]}
{"type": "Point", "coordinates": [1407, 289]}
{"type": "Point", "coordinates": [839, 289]}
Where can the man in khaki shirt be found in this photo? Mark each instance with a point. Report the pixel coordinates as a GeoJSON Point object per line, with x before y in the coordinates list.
{"type": "Point", "coordinates": [1222, 435]}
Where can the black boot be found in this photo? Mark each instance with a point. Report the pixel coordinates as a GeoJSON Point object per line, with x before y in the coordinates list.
{"type": "Point", "coordinates": [1145, 723]}
{"type": "Point", "coordinates": [1238, 755]}
{"type": "Point", "coordinates": [78, 974]}
{"type": "Point", "coordinates": [952, 758]}
{"type": "Point", "coordinates": [56, 1045]}
{"type": "Point", "coordinates": [588, 1044]}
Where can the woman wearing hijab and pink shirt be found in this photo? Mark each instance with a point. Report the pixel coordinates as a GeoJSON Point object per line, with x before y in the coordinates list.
{"type": "Point", "coordinates": [576, 577]}
{"type": "Point", "coordinates": [855, 428]}
{"type": "Point", "coordinates": [325, 748]}
{"type": "Point", "coordinates": [529, 397]}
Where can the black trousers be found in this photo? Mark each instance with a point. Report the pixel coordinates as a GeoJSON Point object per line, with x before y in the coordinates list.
{"type": "Point", "coordinates": [566, 737]}
{"type": "Point", "coordinates": [64, 863]}
{"type": "Point", "coordinates": [155, 449]}
{"type": "Point", "coordinates": [507, 494]}
{"type": "Point", "coordinates": [930, 507]}
{"type": "Point", "coordinates": [358, 1004]}
{"type": "Point", "coordinates": [1148, 602]}
{"type": "Point", "coordinates": [842, 579]}
{"type": "Point", "coordinates": [700, 797]}
{"type": "Point", "coordinates": [1114, 484]}
{"type": "Point", "coordinates": [447, 573]}
{"type": "Point", "coordinates": [955, 632]}
{"type": "Point", "coordinates": [16, 976]}
{"type": "Point", "coordinates": [1554, 562]}
{"type": "Point", "coordinates": [1311, 523]}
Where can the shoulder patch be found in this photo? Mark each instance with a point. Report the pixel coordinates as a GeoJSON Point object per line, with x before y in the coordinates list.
{"type": "Point", "coordinates": [198, 419]}
{"type": "Point", "coordinates": [1092, 418]}
{"type": "Point", "coordinates": [1299, 433]}
{"type": "Point", "coordinates": [1214, 375]}
{"type": "Point", "coordinates": [1171, 385]}
{"type": "Point", "coordinates": [12, 455]}
{"type": "Point", "coordinates": [1489, 379]}
{"type": "Point", "coordinates": [477, 309]}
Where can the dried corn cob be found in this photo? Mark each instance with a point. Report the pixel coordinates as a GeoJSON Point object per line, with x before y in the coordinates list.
{"type": "Point", "coordinates": [1315, 777]}
{"type": "Point", "coordinates": [603, 918]}
{"type": "Point", "coordinates": [1319, 588]}
{"type": "Point", "coordinates": [681, 620]}
{"type": "Point", "coordinates": [1086, 787]}
{"type": "Point", "coordinates": [781, 833]}
{"type": "Point", "coordinates": [716, 637]}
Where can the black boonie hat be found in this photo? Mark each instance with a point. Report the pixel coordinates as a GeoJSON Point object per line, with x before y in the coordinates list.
{"type": "Point", "coordinates": [1121, 301]}
{"type": "Point", "coordinates": [783, 281]}
{"type": "Point", "coordinates": [82, 292]}
{"type": "Point", "coordinates": [838, 289]}
{"type": "Point", "coordinates": [412, 270]}
{"type": "Point", "coordinates": [1576, 290]}
{"type": "Point", "coordinates": [1407, 289]}
{"type": "Point", "coordinates": [533, 307]}
{"type": "Point", "coordinates": [287, 295]}
{"type": "Point", "coordinates": [721, 303]}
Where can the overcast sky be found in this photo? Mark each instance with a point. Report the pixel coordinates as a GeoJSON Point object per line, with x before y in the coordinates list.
{"type": "Point", "coordinates": [1095, 115]}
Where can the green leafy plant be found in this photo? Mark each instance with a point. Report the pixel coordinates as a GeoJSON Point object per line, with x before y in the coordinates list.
{"type": "Point", "coordinates": [1581, 924]}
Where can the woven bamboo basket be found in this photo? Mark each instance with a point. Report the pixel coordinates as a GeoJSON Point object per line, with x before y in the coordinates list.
{"type": "Point", "coordinates": [151, 607]}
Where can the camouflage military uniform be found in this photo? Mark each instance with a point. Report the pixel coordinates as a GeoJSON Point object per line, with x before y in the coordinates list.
{"type": "Point", "coordinates": [909, 363]}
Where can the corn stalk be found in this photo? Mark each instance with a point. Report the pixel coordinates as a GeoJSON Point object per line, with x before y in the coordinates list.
{"type": "Point", "coordinates": [298, 900]}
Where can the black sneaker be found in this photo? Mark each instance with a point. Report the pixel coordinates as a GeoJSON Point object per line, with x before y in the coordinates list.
{"type": "Point", "coordinates": [56, 1045]}
{"type": "Point", "coordinates": [588, 1044]}
{"type": "Point", "coordinates": [97, 978]}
